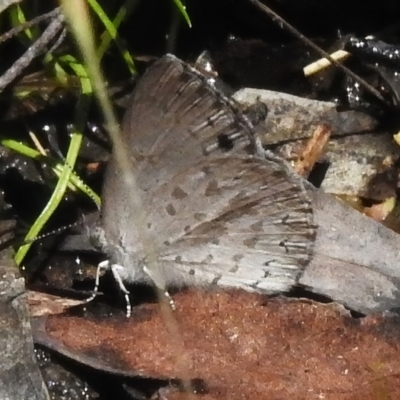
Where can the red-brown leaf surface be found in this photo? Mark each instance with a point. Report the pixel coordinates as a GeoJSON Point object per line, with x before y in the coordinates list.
{"type": "Point", "coordinates": [242, 346]}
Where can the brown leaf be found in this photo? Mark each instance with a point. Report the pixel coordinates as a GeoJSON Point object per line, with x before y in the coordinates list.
{"type": "Point", "coordinates": [243, 346]}
{"type": "Point", "coordinates": [313, 150]}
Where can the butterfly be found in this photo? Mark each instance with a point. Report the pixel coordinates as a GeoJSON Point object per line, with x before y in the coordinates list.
{"type": "Point", "coordinates": [217, 213]}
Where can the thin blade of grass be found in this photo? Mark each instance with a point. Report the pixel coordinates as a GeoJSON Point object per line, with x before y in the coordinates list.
{"type": "Point", "coordinates": [55, 199]}
{"type": "Point", "coordinates": [113, 33]}
{"type": "Point", "coordinates": [74, 183]}
{"type": "Point", "coordinates": [72, 155]}
{"type": "Point", "coordinates": [183, 11]}
{"type": "Point", "coordinates": [77, 15]}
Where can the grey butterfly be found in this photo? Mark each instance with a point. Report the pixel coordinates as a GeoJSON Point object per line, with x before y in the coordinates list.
{"type": "Point", "coordinates": [217, 214]}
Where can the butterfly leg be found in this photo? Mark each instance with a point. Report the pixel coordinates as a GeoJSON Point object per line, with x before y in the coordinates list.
{"type": "Point", "coordinates": [265, 154]}
{"type": "Point", "coordinates": [261, 152]}
{"type": "Point", "coordinates": [115, 268]}
{"type": "Point", "coordinates": [160, 286]}
{"type": "Point", "coordinates": [103, 266]}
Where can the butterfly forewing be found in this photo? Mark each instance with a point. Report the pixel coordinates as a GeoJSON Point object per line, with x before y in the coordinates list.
{"type": "Point", "coordinates": [175, 113]}
{"type": "Point", "coordinates": [175, 120]}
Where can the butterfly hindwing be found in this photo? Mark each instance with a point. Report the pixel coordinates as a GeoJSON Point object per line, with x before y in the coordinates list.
{"type": "Point", "coordinates": [236, 222]}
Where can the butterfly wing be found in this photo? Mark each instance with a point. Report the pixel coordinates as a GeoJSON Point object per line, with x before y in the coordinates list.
{"type": "Point", "coordinates": [236, 222]}
{"type": "Point", "coordinates": [175, 120]}
{"type": "Point", "coordinates": [174, 113]}
{"type": "Point", "coordinates": [212, 216]}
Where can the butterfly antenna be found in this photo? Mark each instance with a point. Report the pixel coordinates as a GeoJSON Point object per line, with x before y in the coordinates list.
{"type": "Point", "coordinates": [54, 232]}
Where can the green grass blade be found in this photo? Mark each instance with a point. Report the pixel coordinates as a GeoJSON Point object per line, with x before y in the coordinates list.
{"type": "Point", "coordinates": [182, 10]}
{"type": "Point", "coordinates": [113, 33]}
{"type": "Point", "coordinates": [74, 183]}
{"type": "Point", "coordinates": [55, 199]}
{"type": "Point", "coordinates": [73, 151]}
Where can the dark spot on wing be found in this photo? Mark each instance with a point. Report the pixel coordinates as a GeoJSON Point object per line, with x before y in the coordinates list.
{"type": "Point", "coordinates": [237, 257]}
{"type": "Point", "coordinates": [200, 216]}
{"type": "Point", "coordinates": [192, 271]}
{"type": "Point", "coordinates": [206, 170]}
{"type": "Point", "coordinates": [170, 209]}
{"type": "Point", "coordinates": [224, 142]}
{"type": "Point", "coordinates": [257, 227]}
{"type": "Point", "coordinates": [279, 174]}
{"type": "Point", "coordinates": [215, 241]}
{"type": "Point", "coordinates": [215, 280]}
{"type": "Point", "coordinates": [208, 259]}
{"type": "Point", "coordinates": [234, 269]}
{"type": "Point", "coordinates": [283, 244]}
{"type": "Point", "coordinates": [210, 122]}
{"type": "Point", "coordinates": [178, 193]}
{"type": "Point", "coordinates": [212, 188]}
{"type": "Point", "coordinates": [250, 242]}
